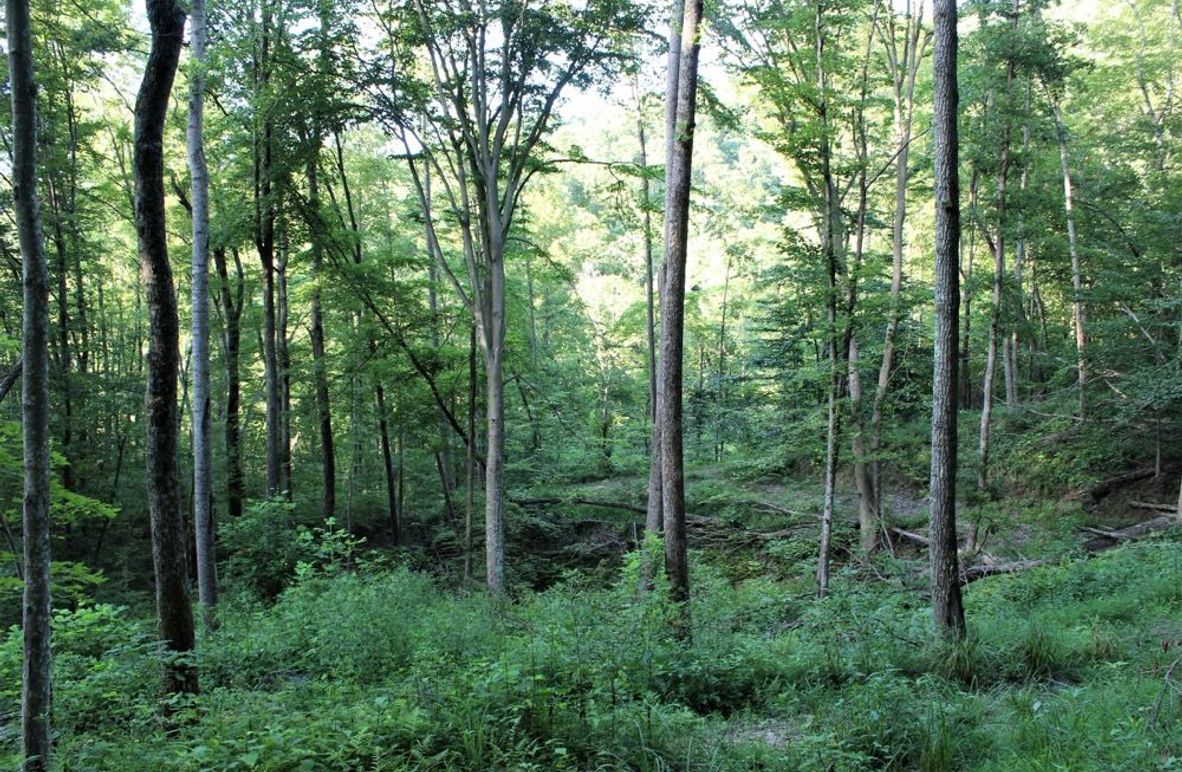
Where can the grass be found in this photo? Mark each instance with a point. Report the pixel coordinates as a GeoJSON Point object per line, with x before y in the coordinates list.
{"type": "Point", "coordinates": [1064, 669]}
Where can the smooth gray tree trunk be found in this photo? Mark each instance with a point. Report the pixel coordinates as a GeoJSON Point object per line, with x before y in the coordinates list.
{"type": "Point", "coordinates": [947, 608]}
{"type": "Point", "coordinates": [203, 515]}
{"type": "Point", "coordinates": [35, 609]}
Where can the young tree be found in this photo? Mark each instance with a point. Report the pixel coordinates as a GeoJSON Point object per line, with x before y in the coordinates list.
{"type": "Point", "coordinates": [231, 300]}
{"type": "Point", "coordinates": [35, 684]}
{"type": "Point", "coordinates": [203, 518]}
{"type": "Point", "coordinates": [264, 237]}
{"type": "Point", "coordinates": [174, 612]}
{"type": "Point", "coordinates": [677, 197]}
{"type": "Point", "coordinates": [904, 68]}
{"type": "Point", "coordinates": [497, 71]}
{"type": "Point", "coordinates": [947, 608]}
{"type": "Point", "coordinates": [1079, 315]}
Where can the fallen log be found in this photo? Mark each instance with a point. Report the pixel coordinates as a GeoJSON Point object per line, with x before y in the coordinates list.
{"type": "Point", "coordinates": [910, 536]}
{"type": "Point", "coordinates": [1108, 539]}
{"type": "Point", "coordinates": [1154, 507]}
{"type": "Point", "coordinates": [982, 570]}
{"type": "Point", "coordinates": [777, 509]}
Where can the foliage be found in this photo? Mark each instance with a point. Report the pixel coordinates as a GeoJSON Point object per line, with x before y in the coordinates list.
{"type": "Point", "coordinates": [387, 671]}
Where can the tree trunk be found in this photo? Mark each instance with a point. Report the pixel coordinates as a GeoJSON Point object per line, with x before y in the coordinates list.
{"type": "Point", "coordinates": [319, 363]}
{"type": "Point", "coordinates": [904, 71]}
{"type": "Point", "coordinates": [720, 399]}
{"type": "Point", "coordinates": [231, 344]}
{"type": "Point", "coordinates": [35, 617]}
{"type": "Point", "coordinates": [203, 516]}
{"type": "Point", "coordinates": [433, 252]}
{"type": "Point", "coordinates": [283, 360]}
{"type": "Point", "coordinates": [392, 510]}
{"type": "Point", "coordinates": [1079, 315]}
{"type": "Point", "coordinates": [831, 241]}
{"type": "Point", "coordinates": [1019, 303]}
{"type": "Point", "coordinates": [996, 336]}
{"type": "Point", "coordinates": [265, 245]}
{"type": "Point", "coordinates": [677, 183]}
{"type": "Point", "coordinates": [947, 608]}
{"type": "Point", "coordinates": [649, 295]}
{"type": "Point", "coordinates": [494, 471]}
{"type": "Point", "coordinates": [654, 518]}
{"type": "Point", "coordinates": [470, 449]}
{"type": "Point", "coordinates": [65, 360]}
{"type": "Point", "coordinates": [966, 362]}
{"type": "Point", "coordinates": [174, 612]}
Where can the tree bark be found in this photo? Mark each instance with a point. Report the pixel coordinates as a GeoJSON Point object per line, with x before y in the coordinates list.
{"type": "Point", "coordinates": [328, 504]}
{"type": "Point", "coordinates": [35, 608]}
{"type": "Point", "coordinates": [392, 509]}
{"type": "Point", "coordinates": [677, 182]}
{"type": "Point", "coordinates": [265, 245]}
{"type": "Point", "coordinates": [998, 343]}
{"type": "Point", "coordinates": [966, 362]}
{"type": "Point", "coordinates": [1079, 314]}
{"type": "Point", "coordinates": [174, 613]}
{"type": "Point", "coordinates": [470, 452]}
{"type": "Point", "coordinates": [654, 518]}
{"type": "Point", "coordinates": [904, 70]}
{"type": "Point", "coordinates": [328, 465]}
{"type": "Point", "coordinates": [203, 516]}
{"type": "Point", "coordinates": [231, 344]}
{"type": "Point", "coordinates": [283, 360]}
{"type": "Point", "coordinates": [831, 240]}
{"type": "Point", "coordinates": [947, 608]}
{"type": "Point", "coordinates": [649, 294]}
{"type": "Point", "coordinates": [720, 398]}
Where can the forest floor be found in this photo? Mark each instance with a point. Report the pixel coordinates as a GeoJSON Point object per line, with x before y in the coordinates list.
{"type": "Point", "coordinates": [361, 664]}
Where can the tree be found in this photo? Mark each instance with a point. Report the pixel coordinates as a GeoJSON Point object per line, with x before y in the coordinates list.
{"type": "Point", "coordinates": [1079, 315]}
{"type": "Point", "coordinates": [947, 608]}
{"type": "Point", "coordinates": [497, 72]}
{"type": "Point", "coordinates": [904, 68]}
{"type": "Point", "coordinates": [35, 685]}
{"type": "Point", "coordinates": [174, 612]}
{"type": "Point", "coordinates": [264, 237]}
{"type": "Point", "coordinates": [203, 517]}
{"type": "Point", "coordinates": [654, 517]}
{"type": "Point", "coordinates": [677, 185]}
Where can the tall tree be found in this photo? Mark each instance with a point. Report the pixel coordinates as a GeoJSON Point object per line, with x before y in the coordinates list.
{"type": "Point", "coordinates": [947, 609]}
{"type": "Point", "coordinates": [654, 518]}
{"type": "Point", "coordinates": [904, 69]}
{"type": "Point", "coordinates": [264, 235]}
{"type": "Point", "coordinates": [1079, 314]}
{"type": "Point", "coordinates": [174, 612]}
{"type": "Point", "coordinates": [496, 73]}
{"type": "Point", "coordinates": [999, 342]}
{"type": "Point", "coordinates": [203, 517]}
{"type": "Point", "coordinates": [231, 299]}
{"type": "Point", "coordinates": [678, 174]}
{"type": "Point", "coordinates": [35, 686]}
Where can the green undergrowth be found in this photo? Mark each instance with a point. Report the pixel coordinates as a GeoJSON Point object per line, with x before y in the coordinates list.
{"type": "Point", "coordinates": [1065, 668]}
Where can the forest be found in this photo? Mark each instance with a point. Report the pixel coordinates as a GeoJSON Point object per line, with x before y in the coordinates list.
{"type": "Point", "coordinates": [591, 385]}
